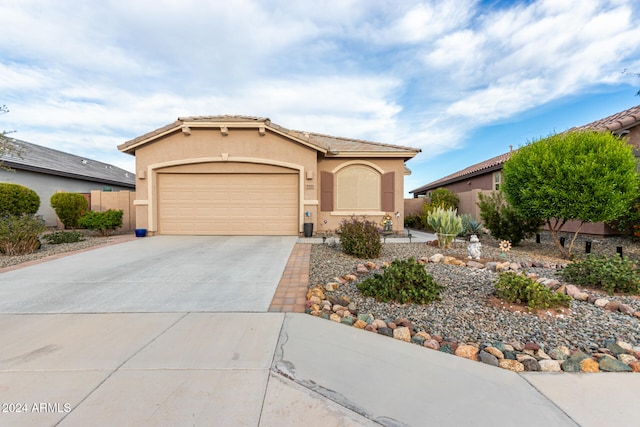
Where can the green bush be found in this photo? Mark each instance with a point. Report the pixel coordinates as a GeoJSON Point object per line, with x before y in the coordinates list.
{"type": "Point", "coordinates": [69, 207]}
{"type": "Point", "coordinates": [360, 238]}
{"type": "Point", "coordinates": [502, 220]}
{"type": "Point", "coordinates": [412, 221]}
{"type": "Point", "coordinates": [102, 222]}
{"type": "Point", "coordinates": [18, 200]}
{"type": "Point", "coordinates": [518, 288]}
{"type": "Point", "coordinates": [404, 281]}
{"type": "Point", "coordinates": [612, 274]}
{"type": "Point", "coordinates": [19, 234]}
{"type": "Point", "coordinates": [446, 223]}
{"type": "Point", "coordinates": [59, 237]}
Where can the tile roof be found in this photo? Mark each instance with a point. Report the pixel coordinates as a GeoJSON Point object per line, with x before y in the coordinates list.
{"type": "Point", "coordinates": [41, 159]}
{"type": "Point", "coordinates": [615, 123]}
{"type": "Point", "coordinates": [324, 143]}
{"type": "Point", "coordinates": [494, 163]}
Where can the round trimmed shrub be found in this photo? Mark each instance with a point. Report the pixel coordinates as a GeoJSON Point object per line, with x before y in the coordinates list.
{"type": "Point", "coordinates": [16, 200]}
{"type": "Point", "coordinates": [69, 207]}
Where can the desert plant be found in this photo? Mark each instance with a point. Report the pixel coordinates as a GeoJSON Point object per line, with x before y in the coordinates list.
{"type": "Point", "coordinates": [360, 238]}
{"type": "Point", "coordinates": [19, 234]}
{"type": "Point", "coordinates": [612, 274]}
{"type": "Point", "coordinates": [18, 200]}
{"type": "Point", "coordinates": [517, 288]}
{"type": "Point", "coordinates": [470, 225]}
{"type": "Point", "coordinates": [404, 281]}
{"type": "Point", "coordinates": [503, 221]}
{"type": "Point", "coordinates": [102, 222]}
{"type": "Point", "coordinates": [446, 223]}
{"type": "Point", "coordinates": [58, 237]}
{"type": "Point", "coordinates": [69, 207]}
{"type": "Point", "coordinates": [439, 198]}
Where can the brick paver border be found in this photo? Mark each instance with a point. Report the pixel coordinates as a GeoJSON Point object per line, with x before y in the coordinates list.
{"type": "Point", "coordinates": [291, 294]}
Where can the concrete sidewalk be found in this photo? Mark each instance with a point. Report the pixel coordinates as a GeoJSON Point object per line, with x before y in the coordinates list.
{"type": "Point", "coordinates": [272, 369]}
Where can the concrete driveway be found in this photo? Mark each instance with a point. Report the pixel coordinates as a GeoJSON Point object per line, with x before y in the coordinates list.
{"type": "Point", "coordinates": [156, 274]}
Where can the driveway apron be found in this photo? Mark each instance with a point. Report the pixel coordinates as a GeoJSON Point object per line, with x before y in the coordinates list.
{"type": "Point", "coordinates": [154, 274]}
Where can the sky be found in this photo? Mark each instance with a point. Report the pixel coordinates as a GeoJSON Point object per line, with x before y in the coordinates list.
{"type": "Point", "coordinates": [462, 80]}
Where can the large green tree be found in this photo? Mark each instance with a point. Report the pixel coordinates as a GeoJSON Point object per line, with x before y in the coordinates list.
{"type": "Point", "coordinates": [586, 176]}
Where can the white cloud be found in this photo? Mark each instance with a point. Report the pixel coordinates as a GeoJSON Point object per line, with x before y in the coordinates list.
{"type": "Point", "coordinates": [419, 73]}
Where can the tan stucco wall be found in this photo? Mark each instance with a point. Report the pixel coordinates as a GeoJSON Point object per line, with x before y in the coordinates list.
{"type": "Point", "coordinates": [383, 165]}
{"type": "Point", "coordinates": [209, 150]}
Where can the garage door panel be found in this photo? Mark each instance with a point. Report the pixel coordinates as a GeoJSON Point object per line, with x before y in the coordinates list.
{"type": "Point", "coordinates": [228, 204]}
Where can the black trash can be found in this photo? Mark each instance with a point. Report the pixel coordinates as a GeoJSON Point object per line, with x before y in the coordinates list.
{"type": "Point", "coordinates": [308, 229]}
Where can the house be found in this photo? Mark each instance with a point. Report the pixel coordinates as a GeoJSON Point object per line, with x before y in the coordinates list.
{"type": "Point", "coordinates": [47, 171]}
{"type": "Point", "coordinates": [240, 175]}
{"type": "Point", "coordinates": [486, 176]}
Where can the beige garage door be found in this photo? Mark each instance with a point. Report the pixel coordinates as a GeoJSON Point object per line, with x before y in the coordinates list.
{"type": "Point", "coordinates": [228, 204]}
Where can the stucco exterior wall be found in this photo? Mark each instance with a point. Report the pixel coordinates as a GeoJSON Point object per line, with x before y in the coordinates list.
{"type": "Point", "coordinates": [207, 149]}
{"type": "Point", "coordinates": [47, 185]}
{"type": "Point", "coordinates": [382, 165]}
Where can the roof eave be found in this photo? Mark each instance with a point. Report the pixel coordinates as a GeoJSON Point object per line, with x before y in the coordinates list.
{"type": "Point", "coordinates": [19, 166]}
{"type": "Point", "coordinates": [129, 147]}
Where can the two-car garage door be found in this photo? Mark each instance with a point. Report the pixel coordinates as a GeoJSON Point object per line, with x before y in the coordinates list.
{"type": "Point", "coordinates": [228, 203]}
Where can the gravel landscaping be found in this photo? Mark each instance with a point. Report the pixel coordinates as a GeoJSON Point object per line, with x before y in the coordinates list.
{"type": "Point", "coordinates": [47, 250]}
{"type": "Point", "coordinates": [469, 314]}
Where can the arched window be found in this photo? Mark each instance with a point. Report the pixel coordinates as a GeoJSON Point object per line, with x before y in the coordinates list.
{"type": "Point", "coordinates": [358, 188]}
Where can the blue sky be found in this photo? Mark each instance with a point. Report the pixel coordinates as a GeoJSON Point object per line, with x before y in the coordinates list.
{"type": "Point", "coordinates": [462, 80]}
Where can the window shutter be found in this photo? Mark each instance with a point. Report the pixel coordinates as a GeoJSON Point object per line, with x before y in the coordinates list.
{"type": "Point", "coordinates": [326, 191]}
{"type": "Point", "coordinates": [388, 196]}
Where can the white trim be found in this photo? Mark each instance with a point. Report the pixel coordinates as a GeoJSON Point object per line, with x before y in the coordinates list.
{"type": "Point", "coordinates": [140, 202]}
{"type": "Point", "coordinates": [311, 202]}
{"type": "Point", "coordinates": [153, 178]}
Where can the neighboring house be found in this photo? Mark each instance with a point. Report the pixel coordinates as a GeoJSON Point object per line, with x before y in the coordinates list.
{"type": "Point", "coordinates": [239, 175]}
{"type": "Point", "coordinates": [486, 176]}
{"type": "Point", "coordinates": [47, 171]}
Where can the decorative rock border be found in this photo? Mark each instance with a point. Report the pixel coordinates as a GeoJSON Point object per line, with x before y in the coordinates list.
{"type": "Point", "coordinates": [614, 356]}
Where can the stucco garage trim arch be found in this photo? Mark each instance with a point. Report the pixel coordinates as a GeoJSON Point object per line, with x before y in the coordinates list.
{"type": "Point", "coordinates": [152, 180]}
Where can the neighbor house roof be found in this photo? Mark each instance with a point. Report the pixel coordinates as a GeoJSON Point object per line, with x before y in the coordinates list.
{"type": "Point", "coordinates": [36, 158]}
{"type": "Point", "coordinates": [616, 123]}
{"type": "Point", "coordinates": [493, 164]}
{"type": "Point", "coordinates": [329, 145]}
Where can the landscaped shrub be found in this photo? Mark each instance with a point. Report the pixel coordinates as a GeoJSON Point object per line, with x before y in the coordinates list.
{"type": "Point", "coordinates": [404, 281]}
{"type": "Point", "coordinates": [69, 207]}
{"type": "Point", "coordinates": [502, 220]}
{"type": "Point", "coordinates": [470, 225]}
{"type": "Point", "coordinates": [612, 274]}
{"type": "Point", "coordinates": [102, 222]}
{"type": "Point", "coordinates": [18, 200]}
{"type": "Point", "coordinates": [517, 288]}
{"type": "Point", "coordinates": [360, 238]}
{"type": "Point", "coordinates": [439, 198]}
{"type": "Point", "coordinates": [446, 223]}
{"type": "Point", "coordinates": [59, 237]}
{"type": "Point", "coordinates": [412, 221]}
{"type": "Point", "coordinates": [19, 234]}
